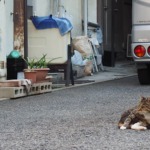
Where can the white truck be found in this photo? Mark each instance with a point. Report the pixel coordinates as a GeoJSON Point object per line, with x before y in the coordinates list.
{"type": "Point", "coordinates": [141, 39]}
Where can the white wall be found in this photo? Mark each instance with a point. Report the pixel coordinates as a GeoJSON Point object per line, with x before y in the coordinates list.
{"type": "Point", "coordinates": [6, 28]}
{"type": "Point", "coordinates": [92, 11]}
{"type": "Point", "coordinates": [2, 31]}
{"type": "Point", "coordinates": [73, 8]}
{"type": "Point", "coordinates": [9, 26]}
{"type": "Point", "coordinates": [41, 7]}
{"type": "Point", "coordinates": [6, 31]}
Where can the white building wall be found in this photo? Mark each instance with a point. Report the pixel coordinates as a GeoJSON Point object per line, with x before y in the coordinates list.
{"type": "Point", "coordinates": [92, 11]}
{"type": "Point", "coordinates": [40, 7]}
{"type": "Point", "coordinates": [2, 31]}
{"type": "Point", "coordinates": [74, 10]}
{"type": "Point", "coordinates": [6, 31]}
{"type": "Point", "coordinates": [9, 26]}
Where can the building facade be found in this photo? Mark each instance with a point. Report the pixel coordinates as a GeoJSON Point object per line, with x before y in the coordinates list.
{"type": "Point", "coordinates": [114, 18]}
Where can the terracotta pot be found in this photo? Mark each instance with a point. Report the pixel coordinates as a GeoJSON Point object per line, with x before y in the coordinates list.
{"type": "Point", "coordinates": [30, 74]}
{"type": "Point", "coordinates": [41, 74]}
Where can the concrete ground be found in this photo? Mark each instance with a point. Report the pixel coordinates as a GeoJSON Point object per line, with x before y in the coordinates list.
{"type": "Point", "coordinates": [121, 69]}
{"type": "Point", "coordinates": [80, 118]}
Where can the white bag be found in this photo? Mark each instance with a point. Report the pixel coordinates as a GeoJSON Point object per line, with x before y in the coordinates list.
{"type": "Point", "coordinates": [76, 59]}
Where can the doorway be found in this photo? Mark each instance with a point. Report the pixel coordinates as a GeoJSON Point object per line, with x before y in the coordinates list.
{"type": "Point", "coordinates": [115, 18]}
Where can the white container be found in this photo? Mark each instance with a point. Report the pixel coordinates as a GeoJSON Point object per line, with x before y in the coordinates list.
{"type": "Point", "coordinates": [47, 41]}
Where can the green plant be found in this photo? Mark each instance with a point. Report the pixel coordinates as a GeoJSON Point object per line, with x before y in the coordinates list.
{"type": "Point", "coordinates": [41, 63]}
{"type": "Point", "coordinates": [38, 63]}
{"type": "Point", "coordinates": [30, 62]}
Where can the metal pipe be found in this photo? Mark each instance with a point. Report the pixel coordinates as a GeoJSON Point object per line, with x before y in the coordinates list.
{"type": "Point", "coordinates": [60, 8]}
{"type": "Point", "coordinates": [85, 16]}
{"type": "Point", "coordinates": [25, 30]}
{"type": "Point", "coordinates": [112, 35]}
{"type": "Point", "coordinates": [55, 7]}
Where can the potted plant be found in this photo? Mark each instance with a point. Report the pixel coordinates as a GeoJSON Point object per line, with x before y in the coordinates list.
{"type": "Point", "coordinates": [30, 73]}
{"type": "Point", "coordinates": [39, 66]}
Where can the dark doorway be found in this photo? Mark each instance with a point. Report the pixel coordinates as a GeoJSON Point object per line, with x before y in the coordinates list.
{"type": "Point", "coordinates": [115, 19]}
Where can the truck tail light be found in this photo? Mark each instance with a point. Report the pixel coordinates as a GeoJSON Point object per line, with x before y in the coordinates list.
{"type": "Point", "coordinates": [139, 51]}
{"type": "Point", "coordinates": [148, 50]}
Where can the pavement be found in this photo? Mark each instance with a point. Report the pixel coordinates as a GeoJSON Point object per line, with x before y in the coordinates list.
{"type": "Point", "coordinates": [81, 118]}
{"type": "Point", "coordinates": [120, 70]}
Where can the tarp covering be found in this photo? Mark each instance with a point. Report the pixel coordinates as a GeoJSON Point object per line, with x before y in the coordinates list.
{"type": "Point", "coordinates": [45, 22]}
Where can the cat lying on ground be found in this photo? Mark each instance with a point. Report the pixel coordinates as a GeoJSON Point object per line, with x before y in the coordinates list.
{"type": "Point", "coordinates": [138, 117]}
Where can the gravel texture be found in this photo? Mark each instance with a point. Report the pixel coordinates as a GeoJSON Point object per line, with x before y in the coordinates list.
{"type": "Point", "coordinates": [81, 118]}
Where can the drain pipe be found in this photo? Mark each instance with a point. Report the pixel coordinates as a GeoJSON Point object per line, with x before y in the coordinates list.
{"type": "Point", "coordinates": [55, 7]}
{"type": "Point", "coordinates": [85, 16]}
{"type": "Point", "coordinates": [60, 8]}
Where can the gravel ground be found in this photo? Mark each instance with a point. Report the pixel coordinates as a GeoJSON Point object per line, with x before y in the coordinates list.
{"type": "Point", "coordinates": [82, 118]}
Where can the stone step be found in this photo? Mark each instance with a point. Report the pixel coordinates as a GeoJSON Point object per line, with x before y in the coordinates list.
{"type": "Point", "coordinates": [16, 92]}
{"type": "Point", "coordinates": [10, 83]}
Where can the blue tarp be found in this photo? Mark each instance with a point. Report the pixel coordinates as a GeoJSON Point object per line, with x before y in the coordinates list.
{"type": "Point", "coordinates": [63, 24]}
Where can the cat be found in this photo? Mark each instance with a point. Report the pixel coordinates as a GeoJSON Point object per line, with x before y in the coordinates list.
{"type": "Point", "coordinates": [138, 117]}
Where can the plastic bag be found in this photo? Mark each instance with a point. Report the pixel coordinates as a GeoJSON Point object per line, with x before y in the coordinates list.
{"type": "Point", "coordinates": [77, 59]}
{"type": "Point", "coordinates": [82, 45]}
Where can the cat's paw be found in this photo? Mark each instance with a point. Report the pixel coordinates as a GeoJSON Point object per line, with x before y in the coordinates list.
{"type": "Point", "coordinates": [143, 128]}
{"type": "Point", "coordinates": [137, 126]}
{"type": "Point", "coordinates": [123, 127]}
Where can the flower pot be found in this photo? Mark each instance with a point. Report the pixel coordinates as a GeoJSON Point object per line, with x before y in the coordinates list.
{"type": "Point", "coordinates": [41, 74]}
{"type": "Point", "coordinates": [30, 75]}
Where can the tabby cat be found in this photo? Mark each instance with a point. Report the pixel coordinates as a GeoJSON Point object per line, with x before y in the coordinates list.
{"type": "Point", "coordinates": [138, 117]}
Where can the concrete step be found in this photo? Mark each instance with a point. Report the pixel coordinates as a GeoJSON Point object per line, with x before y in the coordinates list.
{"type": "Point", "coordinates": [16, 92]}
{"type": "Point", "coordinates": [10, 83]}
